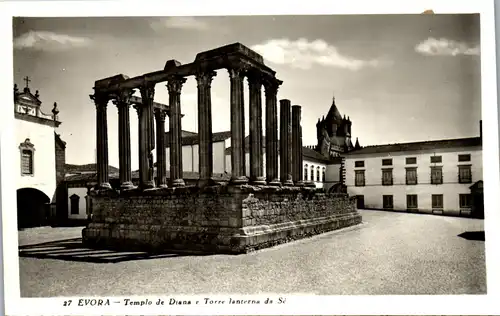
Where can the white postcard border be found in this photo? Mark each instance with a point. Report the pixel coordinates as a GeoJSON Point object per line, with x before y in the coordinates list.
{"type": "Point", "coordinates": [295, 304]}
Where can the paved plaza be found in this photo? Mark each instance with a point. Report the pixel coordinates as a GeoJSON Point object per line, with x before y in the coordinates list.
{"type": "Point", "coordinates": [390, 253]}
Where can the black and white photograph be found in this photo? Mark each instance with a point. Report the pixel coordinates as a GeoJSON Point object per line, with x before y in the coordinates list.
{"type": "Point", "coordinates": [210, 159]}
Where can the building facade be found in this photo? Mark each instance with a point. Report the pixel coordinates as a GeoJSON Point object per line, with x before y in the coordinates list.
{"type": "Point", "coordinates": [435, 177]}
{"type": "Point", "coordinates": [40, 162]}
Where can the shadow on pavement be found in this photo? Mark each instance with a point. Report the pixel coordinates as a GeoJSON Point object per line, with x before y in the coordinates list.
{"type": "Point", "coordinates": [73, 250]}
{"type": "Point", "coordinates": [476, 235]}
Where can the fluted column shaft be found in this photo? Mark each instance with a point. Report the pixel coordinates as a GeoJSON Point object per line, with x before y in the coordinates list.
{"type": "Point", "coordinates": [256, 159]}
{"type": "Point", "coordinates": [271, 91]}
{"type": "Point", "coordinates": [285, 143]}
{"type": "Point", "coordinates": [146, 136]}
{"type": "Point", "coordinates": [174, 86]}
{"type": "Point", "coordinates": [205, 151]}
{"type": "Point", "coordinates": [101, 102]}
{"type": "Point", "coordinates": [296, 146]}
{"type": "Point", "coordinates": [123, 104]}
{"type": "Point", "coordinates": [161, 162]}
{"type": "Point", "coordinates": [236, 76]}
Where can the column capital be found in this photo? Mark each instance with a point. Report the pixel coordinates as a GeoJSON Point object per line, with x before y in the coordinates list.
{"type": "Point", "coordinates": [204, 78]}
{"type": "Point", "coordinates": [100, 100]}
{"type": "Point", "coordinates": [138, 108]}
{"type": "Point", "coordinates": [122, 98]}
{"type": "Point", "coordinates": [271, 85]}
{"type": "Point", "coordinates": [147, 92]}
{"type": "Point", "coordinates": [237, 71]}
{"type": "Point", "coordinates": [174, 84]}
{"type": "Point", "coordinates": [160, 114]}
{"type": "Point", "coordinates": [255, 78]}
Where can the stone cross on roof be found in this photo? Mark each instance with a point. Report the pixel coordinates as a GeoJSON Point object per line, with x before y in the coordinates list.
{"type": "Point", "coordinates": [27, 80]}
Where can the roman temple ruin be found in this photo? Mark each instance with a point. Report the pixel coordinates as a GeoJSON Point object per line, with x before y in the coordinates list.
{"type": "Point", "coordinates": [269, 207]}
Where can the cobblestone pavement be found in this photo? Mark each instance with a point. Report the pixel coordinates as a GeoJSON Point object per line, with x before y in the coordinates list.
{"type": "Point", "coordinates": [390, 253]}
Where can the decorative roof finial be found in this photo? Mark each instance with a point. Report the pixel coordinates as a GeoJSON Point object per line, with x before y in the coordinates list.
{"type": "Point", "coordinates": [55, 111]}
{"type": "Point", "coordinates": [37, 95]}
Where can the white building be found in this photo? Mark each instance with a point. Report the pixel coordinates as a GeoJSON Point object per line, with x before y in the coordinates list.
{"type": "Point", "coordinates": [439, 177]}
{"type": "Point", "coordinates": [315, 164]}
{"type": "Point", "coordinates": [79, 179]}
{"type": "Point", "coordinates": [40, 163]}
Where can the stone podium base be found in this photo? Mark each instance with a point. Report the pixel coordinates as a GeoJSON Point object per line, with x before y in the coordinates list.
{"type": "Point", "coordinates": [221, 219]}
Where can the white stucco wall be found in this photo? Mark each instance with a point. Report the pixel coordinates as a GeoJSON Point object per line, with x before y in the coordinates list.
{"type": "Point", "coordinates": [190, 157]}
{"type": "Point", "coordinates": [44, 158]}
{"type": "Point", "coordinates": [450, 189]}
{"type": "Point", "coordinates": [82, 210]}
{"type": "Point", "coordinates": [219, 157]}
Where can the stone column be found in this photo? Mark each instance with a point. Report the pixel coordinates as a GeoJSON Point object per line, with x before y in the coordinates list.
{"type": "Point", "coordinates": [256, 162]}
{"type": "Point", "coordinates": [123, 104]}
{"type": "Point", "coordinates": [101, 103]}
{"type": "Point", "coordinates": [174, 86]}
{"type": "Point", "coordinates": [285, 143]}
{"type": "Point", "coordinates": [205, 151]}
{"type": "Point", "coordinates": [238, 176]}
{"type": "Point", "coordinates": [271, 90]}
{"type": "Point", "coordinates": [146, 136]}
{"type": "Point", "coordinates": [161, 162]}
{"type": "Point", "coordinates": [297, 168]}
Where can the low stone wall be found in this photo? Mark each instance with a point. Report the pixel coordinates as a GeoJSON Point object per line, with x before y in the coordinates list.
{"type": "Point", "coordinates": [223, 219]}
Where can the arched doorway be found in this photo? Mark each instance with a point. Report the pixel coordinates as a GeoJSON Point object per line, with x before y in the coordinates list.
{"type": "Point", "coordinates": [33, 208]}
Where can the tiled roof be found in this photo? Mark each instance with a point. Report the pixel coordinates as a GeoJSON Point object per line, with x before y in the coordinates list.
{"type": "Point", "coordinates": [311, 154]}
{"type": "Point", "coordinates": [70, 168]}
{"type": "Point", "coordinates": [426, 145]}
{"type": "Point", "coordinates": [192, 138]}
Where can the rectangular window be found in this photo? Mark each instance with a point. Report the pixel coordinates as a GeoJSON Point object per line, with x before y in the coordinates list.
{"type": "Point", "coordinates": [386, 162]}
{"type": "Point", "coordinates": [386, 176]}
{"type": "Point", "coordinates": [436, 159]}
{"type": "Point", "coordinates": [387, 202]}
{"type": "Point", "coordinates": [464, 157]}
{"type": "Point", "coordinates": [464, 174]}
{"type": "Point", "coordinates": [436, 175]}
{"type": "Point", "coordinates": [411, 160]}
{"type": "Point", "coordinates": [359, 164]}
{"type": "Point", "coordinates": [411, 176]}
{"type": "Point", "coordinates": [465, 200]}
{"type": "Point", "coordinates": [27, 162]}
{"type": "Point", "coordinates": [411, 201]}
{"type": "Point", "coordinates": [437, 201]}
{"type": "Point", "coordinates": [360, 178]}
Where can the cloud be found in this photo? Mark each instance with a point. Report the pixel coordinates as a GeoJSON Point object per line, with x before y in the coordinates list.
{"type": "Point", "coordinates": [445, 47]}
{"type": "Point", "coordinates": [49, 41]}
{"type": "Point", "coordinates": [180, 22]}
{"type": "Point", "coordinates": [303, 54]}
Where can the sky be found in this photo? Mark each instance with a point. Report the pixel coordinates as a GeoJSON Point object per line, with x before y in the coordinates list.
{"type": "Point", "coordinates": [400, 78]}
